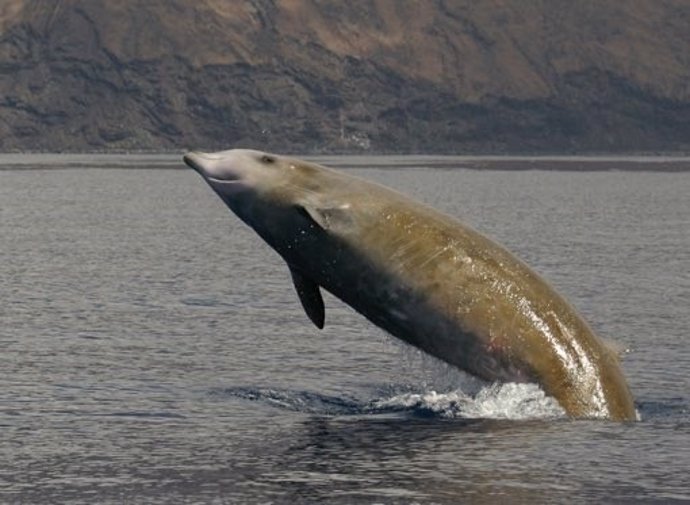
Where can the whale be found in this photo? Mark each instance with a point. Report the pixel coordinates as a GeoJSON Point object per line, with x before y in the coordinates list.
{"type": "Point", "coordinates": [420, 275]}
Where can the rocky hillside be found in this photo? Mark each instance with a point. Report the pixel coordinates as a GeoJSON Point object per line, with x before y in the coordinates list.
{"type": "Point", "coordinates": [366, 75]}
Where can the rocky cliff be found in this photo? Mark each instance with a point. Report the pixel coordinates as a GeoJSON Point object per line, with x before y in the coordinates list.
{"type": "Point", "coordinates": [367, 75]}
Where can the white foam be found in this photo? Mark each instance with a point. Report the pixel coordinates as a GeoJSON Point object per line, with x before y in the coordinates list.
{"type": "Point", "coordinates": [496, 401]}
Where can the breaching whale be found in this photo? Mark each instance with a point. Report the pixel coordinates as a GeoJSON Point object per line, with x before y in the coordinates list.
{"type": "Point", "coordinates": [421, 275]}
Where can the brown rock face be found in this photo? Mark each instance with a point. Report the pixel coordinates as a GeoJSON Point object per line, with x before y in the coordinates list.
{"type": "Point", "coordinates": [370, 75]}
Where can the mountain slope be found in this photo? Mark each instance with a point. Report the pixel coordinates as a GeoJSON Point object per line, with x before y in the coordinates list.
{"type": "Point", "coordinates": [314, 75]}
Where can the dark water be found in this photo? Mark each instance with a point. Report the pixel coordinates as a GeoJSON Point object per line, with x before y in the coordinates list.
{"type": "Point", "coordinates": [153, 349]}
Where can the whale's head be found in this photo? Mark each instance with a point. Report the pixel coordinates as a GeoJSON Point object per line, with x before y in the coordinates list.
{"type": "Point", "coordinates": [280, 197]}
{"type": "Point", "coordinates": [239, 170]}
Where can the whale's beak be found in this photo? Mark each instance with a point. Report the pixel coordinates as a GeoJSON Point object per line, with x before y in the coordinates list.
{"type": "Point", "coordinates": [192, 161]}
{"type": "Point", "coordinates": [216, 169]}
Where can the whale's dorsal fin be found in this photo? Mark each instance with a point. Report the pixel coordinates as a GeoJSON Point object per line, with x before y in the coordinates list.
{"type": "Point", "coordinates": [310, 296]}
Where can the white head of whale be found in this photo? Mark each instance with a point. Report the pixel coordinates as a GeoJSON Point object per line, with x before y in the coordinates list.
{"type": "Point", "coordinates": [237, 169]}
{"type": "Point", "coordinates": [254, 182]}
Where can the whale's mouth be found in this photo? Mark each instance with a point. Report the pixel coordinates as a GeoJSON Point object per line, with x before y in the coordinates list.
{"type": "Point", "coordinates": [226, 180]}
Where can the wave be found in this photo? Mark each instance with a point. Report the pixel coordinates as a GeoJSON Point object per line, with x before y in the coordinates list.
{"type": "Point", "coordinates": [496, 401]}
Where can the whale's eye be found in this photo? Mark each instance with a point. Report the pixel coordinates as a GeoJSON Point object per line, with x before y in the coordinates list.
{"type": "Point", "coordinates": [268, 159]}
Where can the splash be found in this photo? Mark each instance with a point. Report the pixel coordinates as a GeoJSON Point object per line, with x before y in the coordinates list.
{"type": "Point", "coordinates": [497, 401]}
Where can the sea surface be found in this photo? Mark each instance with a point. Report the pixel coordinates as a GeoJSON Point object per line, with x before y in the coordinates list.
{"type": "Point", "coordinates": [152, 348]}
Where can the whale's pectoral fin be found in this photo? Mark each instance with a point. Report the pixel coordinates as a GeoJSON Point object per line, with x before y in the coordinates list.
{"type": "Point", "coordinates": [330, 218]}
{"type": "Point", "coordinates": [310, 296]}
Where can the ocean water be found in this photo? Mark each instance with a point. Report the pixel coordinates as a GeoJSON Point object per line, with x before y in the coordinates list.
{"type": "Point", "coordinates": [152, 348]}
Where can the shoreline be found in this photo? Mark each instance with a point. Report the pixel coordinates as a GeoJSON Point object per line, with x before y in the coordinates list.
{"type": "Point", "coordinates": [547, 162]}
